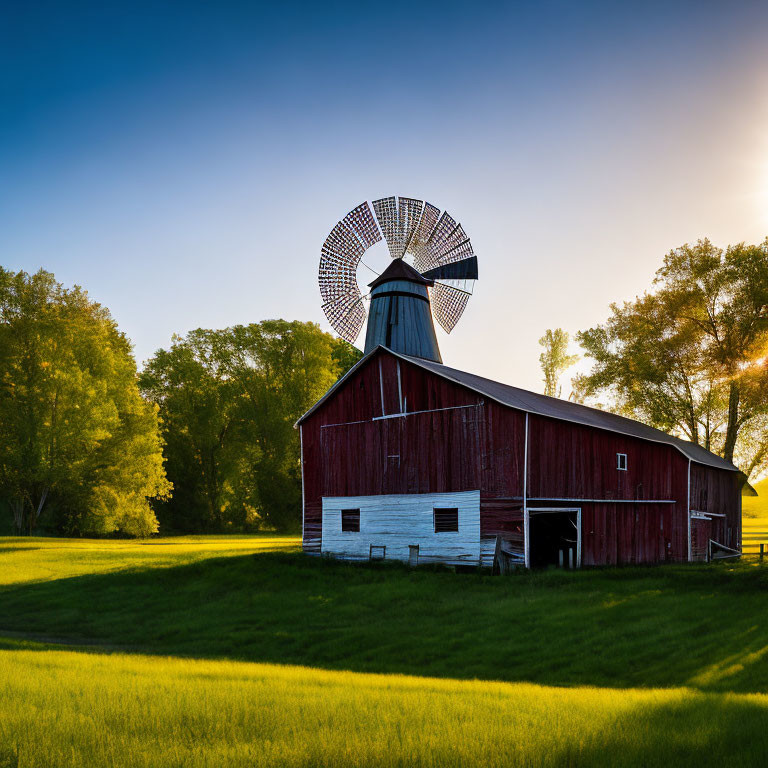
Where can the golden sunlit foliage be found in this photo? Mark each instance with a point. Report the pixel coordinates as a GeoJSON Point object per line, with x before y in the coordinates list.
{"type": "Point", "coordinates": [555, 360]}
{"type": "Point", "coordinates": [689, 356]}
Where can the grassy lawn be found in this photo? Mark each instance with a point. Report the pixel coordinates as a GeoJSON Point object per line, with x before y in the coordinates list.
{"type": "Point", "coordinates": [69, 709]}
{"type": "Point", "coordinates": [755, 518]}
{"type": "Point", "coordinates": [183, 646]}
{"type": "Point", "coordinates": [24, 559]}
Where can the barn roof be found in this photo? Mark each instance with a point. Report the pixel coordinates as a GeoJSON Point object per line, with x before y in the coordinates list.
{"type": "Point", "coordinates": [542, 405]}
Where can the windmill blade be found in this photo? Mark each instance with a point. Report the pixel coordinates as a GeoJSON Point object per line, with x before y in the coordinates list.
{"type": "Point", "coordinates": [337, 276]}
{"type": "Point", "coordinates": [437, 243]}
{"type": "Point", "coordinates": [466, 269]}
{"type": "Point", "coordinates": [455, 247]}
{"type": "Point", "coordinates": [446, 226]}
{"type": "Point", "coordinates": [346, 314]}
{"type": "Point", "coordinates": [339, 257]}
{"type": "Point", "coordinates": [399, 219]}
{"type": "Point", "coordinates": [448, 304]}
{"type": "Point", "coordinates": [386, 213]}
{"type": "Point", "coordinates": [360, 221]}
{"type": "Point", "coordinates": [408, 219]}
{"type": "Point", "coordinates": [418, 243]}
{"type": "Point", "coordinates": [344, 245]}
{"type": "Point", "coordinates": [466, 286]}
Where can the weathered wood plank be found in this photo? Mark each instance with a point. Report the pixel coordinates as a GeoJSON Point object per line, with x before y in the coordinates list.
{"type": "Point", "coordinates": [399, 521]}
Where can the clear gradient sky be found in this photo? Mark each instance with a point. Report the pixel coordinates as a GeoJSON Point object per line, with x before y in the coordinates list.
{"type": "Point", "coordinates": [185, 161]}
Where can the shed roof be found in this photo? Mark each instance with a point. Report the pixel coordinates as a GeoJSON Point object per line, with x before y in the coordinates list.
{"type": "Point", "coordinates": [542, 405]}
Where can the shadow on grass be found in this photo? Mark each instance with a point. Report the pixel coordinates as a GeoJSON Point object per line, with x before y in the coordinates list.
{"type": "Point", "coordinates": [670, 626]}
{"type": "Point", "coordinates": [691, 732]}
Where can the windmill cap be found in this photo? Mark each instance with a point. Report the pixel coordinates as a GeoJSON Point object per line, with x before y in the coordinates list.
{"type": "Point", "coordinates": [400, 270]}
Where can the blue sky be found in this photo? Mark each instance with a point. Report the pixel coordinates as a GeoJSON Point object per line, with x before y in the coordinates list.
{"type": "Point", "coordinates": [184, 162]}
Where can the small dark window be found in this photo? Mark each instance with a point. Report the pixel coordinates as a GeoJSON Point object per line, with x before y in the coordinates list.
{"type": "Point", "coordinates": [621, 461]}
{"type": "Point", "coordinates": [350, 520]}
{"type": "Point", "coordinates": [446, 520]}
{"type": "Point", "coordinates": [378, 552]}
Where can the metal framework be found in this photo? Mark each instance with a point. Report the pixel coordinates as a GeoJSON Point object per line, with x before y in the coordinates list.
{"type": "Point", "coordinates": [418, 244]}
{"type": "Point", "coordinates": [386, 213]}
{"type": "Point", "coordinates": [448, 305]}
{"type": "Point", "coordinates": [437, 243]}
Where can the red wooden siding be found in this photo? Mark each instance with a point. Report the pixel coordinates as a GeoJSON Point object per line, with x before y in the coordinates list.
{"type": "Point", "coordinates": [573, 461]}
{"type": "Point", "coordinates": [454, 439]}
{"type": "Point", "coordinates": [701, 532]}
{"type": "Point", "coordinates": [577, 462]}
{"type": "Point", "coordinates": [623, 534]}
{"type": "Point", "coordinates": [718, 492]}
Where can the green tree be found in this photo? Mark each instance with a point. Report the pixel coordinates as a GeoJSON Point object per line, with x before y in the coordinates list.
{"type": "Point", "coordinates": [228, 401]}
{"type": "Point", "coordinates": [76, 438]}
{"type": "Point", "coordinates": [555, 360]}
{"type": "Point", "coordinates": [691, 356]}
{"type": "Point", "coordinates": [344, 355]}
{"type": "Point", "coordinates": [198, 411]}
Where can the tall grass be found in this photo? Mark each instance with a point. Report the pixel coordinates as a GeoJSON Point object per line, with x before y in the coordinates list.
{"type": "Point", "coordinates": [86, 710]}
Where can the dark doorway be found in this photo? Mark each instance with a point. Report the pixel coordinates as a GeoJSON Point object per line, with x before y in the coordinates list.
{"type": "Point", "coordinates": [553, 539]}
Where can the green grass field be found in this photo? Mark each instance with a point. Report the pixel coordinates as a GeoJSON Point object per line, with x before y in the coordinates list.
{"type": "Point", "coordinates": [241, 651]}
{"type": "Point", "coordinates": [755, 518]}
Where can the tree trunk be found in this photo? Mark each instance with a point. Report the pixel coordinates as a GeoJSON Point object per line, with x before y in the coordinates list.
{"type": "Point", "coordinates": [17, 505]}
{"type": "Point", "coordinates": [35, 513]}
{"type": "Point", "coordinates": [757, 459]}
{"type": "Point", "coordinates": [732, 431]}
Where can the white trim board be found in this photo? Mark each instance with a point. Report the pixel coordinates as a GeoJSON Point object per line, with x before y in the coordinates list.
{"type": "Point", "coordinates": [606, 501]}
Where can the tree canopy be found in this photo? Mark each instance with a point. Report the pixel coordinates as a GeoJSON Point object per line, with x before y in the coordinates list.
{"type": "Point", "coordinates": [555, 360]}
{"type": "Point", "coordinates": [691, 355]}
{"type": "Point", "coordinates": [228, 401]}
{"type": "Point", "coordinates": [77, 441]}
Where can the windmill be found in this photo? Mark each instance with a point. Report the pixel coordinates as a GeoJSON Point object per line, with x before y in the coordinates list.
{"type": "Point", "coordinates": [404, 297]}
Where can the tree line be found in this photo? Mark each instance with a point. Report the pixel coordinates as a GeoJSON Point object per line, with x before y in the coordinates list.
{"type": "Point", "coordinates": [202, 439]}
{"type": "Point", "coordinates": [689, 356]}
{"type": "Point", "coordinates": [80, 448]}
{"type": "Point", "coordinates": [228, 401]}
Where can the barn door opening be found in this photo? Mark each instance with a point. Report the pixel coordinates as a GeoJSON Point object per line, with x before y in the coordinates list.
{"type": "Point", "coordinates": [554, 538]}
{"type": "Point", "coordinates": [701, 533]}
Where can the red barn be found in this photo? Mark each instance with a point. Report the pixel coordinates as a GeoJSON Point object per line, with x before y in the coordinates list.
{"type": "Point", "coordinates": [405, 458]}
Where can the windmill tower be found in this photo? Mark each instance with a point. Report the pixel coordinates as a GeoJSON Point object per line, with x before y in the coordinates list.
{"type": "Point", "coordinates": [404, 298]}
